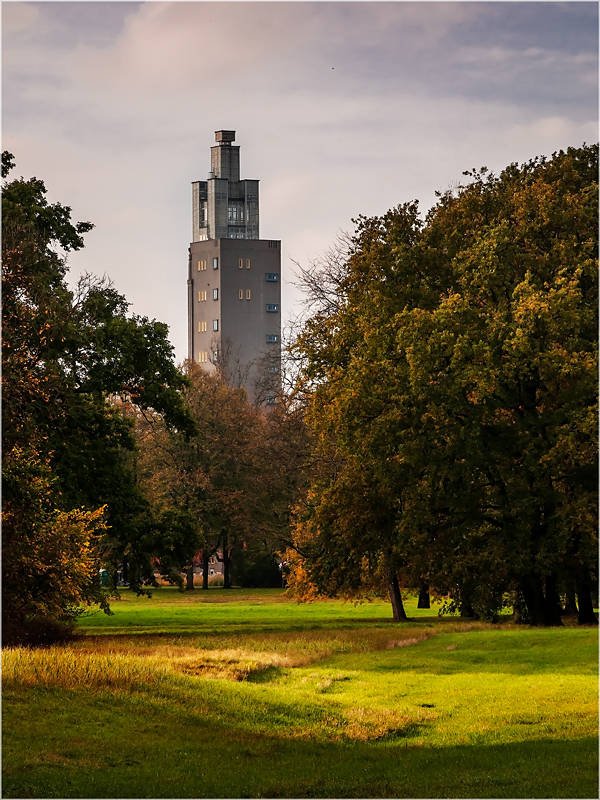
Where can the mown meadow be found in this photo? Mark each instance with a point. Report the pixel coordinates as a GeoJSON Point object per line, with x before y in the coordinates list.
{"type": "Point", "coordinates": [244, 693]}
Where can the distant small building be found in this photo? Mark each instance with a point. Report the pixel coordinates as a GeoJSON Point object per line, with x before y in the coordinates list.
{"type": "Point", "coordinates": [234, 279]}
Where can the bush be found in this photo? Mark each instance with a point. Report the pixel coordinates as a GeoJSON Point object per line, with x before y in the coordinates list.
{"type": "Point", "coordinates": [253, 568]}
{"type": "Point", "coordinates": [37, 632]}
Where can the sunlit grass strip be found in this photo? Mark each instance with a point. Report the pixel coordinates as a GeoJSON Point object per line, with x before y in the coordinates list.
{"type": "Point", "coordinates": [73, 669]}
{"type": "Point", "coordinates": [127, 665]}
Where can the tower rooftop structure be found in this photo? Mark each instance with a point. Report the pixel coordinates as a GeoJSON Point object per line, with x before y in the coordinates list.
{"type": "Point", "coordinates": [224, 207]}
{"type": "Point", "coordinates": [234, 279]}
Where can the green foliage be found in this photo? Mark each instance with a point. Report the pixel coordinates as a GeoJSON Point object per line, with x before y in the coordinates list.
{"type": "Point", "coordinates": [228, 487]}
{"type": "Point", "coordinates": [455, 384]}
{"type": "Point", "coordinates": [72, 360]}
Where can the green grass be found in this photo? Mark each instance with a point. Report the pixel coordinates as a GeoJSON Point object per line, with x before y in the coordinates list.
{"type": "Point", "coordinates": [246, 694]}
{"type": "Point", "coordinates": [265, 609]}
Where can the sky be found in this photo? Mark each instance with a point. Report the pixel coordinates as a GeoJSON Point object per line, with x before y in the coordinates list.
{"type": "Point", "coordinates": [340, 109]}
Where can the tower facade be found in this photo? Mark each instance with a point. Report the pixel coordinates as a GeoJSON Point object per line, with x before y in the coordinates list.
{"type": "Point", "coordinates": [234, 279]}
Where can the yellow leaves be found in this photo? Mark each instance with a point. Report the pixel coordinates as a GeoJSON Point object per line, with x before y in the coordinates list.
{"type": "Point", "coordinates": [298, 583]}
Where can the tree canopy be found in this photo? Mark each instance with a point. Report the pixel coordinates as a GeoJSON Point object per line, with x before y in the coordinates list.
{"type": "Point", "coordinates": [233, 482]}
{"type": "Point", "coordinates": [70, 358]}
{"type": "Point", "coordinates": [454, 382]}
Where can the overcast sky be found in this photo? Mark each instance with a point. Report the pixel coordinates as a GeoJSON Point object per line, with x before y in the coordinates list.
{"type": "Point", "coordinates": [340, 109]}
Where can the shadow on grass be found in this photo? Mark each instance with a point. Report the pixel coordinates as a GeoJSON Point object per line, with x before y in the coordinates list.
{"type": "Point", "coordinates": [132, 752]}
{"type": "Point", "coordinates": [264, 675]}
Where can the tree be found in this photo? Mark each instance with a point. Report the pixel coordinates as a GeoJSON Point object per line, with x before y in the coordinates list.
{"type": "Point", "coordinates": [65, 354]}
{"type": "Point", "coordinates": [457, 371]}
{"type": "Point", "coordinates": [347, 531]}
{"type": "Point", "coordinates": [234, 482]}
{"type": "Point", "coordinates": [209, 477]}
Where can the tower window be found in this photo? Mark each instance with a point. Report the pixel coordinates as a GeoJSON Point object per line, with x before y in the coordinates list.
{"type": "Point", "coordinates": [201, 265]}
{"type": "Point", "coordinates": [247, 263]}
{"type": "Point", "coordinates": [235, 214]}
{"type": "Point", "coordinates": [241, 263]}
{"type": "Point", "coordinates": [201, 327]}
{"type": "Point", "coordinates": [201, 297]}
{"type": "Point", "coordinates": [241, 294]}
{"type": "Point", "coordinates": [215, 294]}
{"type": "Point", "coordinates": [273, 307]}
{"type": "Point", "coordinates": [273, 277]}
{"type": "Point", "coordinates": [273, 370]}
{"type": "Point", "coordinates": [202, 357]}
{"type": "Point", "coordinates": [215, 324]}
{"type": "Point", "coordinates": [215, 263]}
{"type": "Point", "coordinates": [270, 399]}
{"type": "Point", "coordinates": [247, 294]}
{"type": "Point", "coordinates": [272, 337]}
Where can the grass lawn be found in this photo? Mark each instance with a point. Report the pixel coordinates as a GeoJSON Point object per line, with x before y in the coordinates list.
{"type": "Point", "coordinates": [246, 694]}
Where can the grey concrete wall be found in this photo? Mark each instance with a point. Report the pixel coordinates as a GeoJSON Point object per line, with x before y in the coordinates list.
{"type": "Point", "coordinates": [225, 161]}
{"type": "Point", "coordinates": [244, 323]}
{"type": "Point", "coordinates": [248, 306]}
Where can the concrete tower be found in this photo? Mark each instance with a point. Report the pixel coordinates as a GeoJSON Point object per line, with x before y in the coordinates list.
{"type": "Point", "coordinates": [234, 279]}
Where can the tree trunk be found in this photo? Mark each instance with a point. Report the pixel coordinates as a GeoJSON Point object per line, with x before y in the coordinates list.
{"type": "Point", "coordinates": [134, 581]}
{"type": "Point", "coordinates": [586, 606]}
{"type": "Point", "coordinates": [189, 578]}
{"type": "Point", "coordinates": [542, 606]}
{"type": "Point", "coordinates": [398, 611]}
{"type": "Point", "coordinates": [465, 606]}
{"type": "Point", "coordinates": [424, 601]}
{"type": "Point", "coordinates": [226, 564]}
{"type": "Point", "coordinates": [552, 601]}
{"type": "Point", "coordinates": [205, 560]}
{"type": "Point", "coordinates": [520, 610]}
{"type": "Point", "coordinates": [571, 604]}
{"type": "Point", "coordinates": [533, 597]}
{"type": "Point", "coordinates": [467, 611]}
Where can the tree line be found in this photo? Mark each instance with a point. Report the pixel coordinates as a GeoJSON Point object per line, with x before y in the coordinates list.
{"type": "Point", "coordinates": [441, 433]}
{"type": "Point", "coordinates": [112, 456]}
{"type": "Point", "coordinates": [450, 371]}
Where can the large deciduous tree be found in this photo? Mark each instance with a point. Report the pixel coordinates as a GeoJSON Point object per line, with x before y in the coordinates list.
{"type": "Point", "coordinates": [455, 379]}
{"type": "Point", "coordinates": [67, 483]}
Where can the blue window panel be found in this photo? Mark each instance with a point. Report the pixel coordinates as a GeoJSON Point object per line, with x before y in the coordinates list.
{"type": "Point", "coordinates": [272, 307]}
{"type": "Point", "coordinates": [272, 337]}
{"type": "Point", "coordinates": [273, 277]}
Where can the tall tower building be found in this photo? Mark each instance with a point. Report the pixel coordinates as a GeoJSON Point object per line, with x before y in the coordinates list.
{"type": "Point", "coordinates": [234, 279]}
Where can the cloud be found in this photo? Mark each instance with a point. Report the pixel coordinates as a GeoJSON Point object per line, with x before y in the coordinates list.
{"type": "Point", "coordinates": [340, 108]}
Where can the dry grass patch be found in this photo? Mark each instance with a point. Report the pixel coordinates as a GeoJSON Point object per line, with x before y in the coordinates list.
{"type": "Point", "coordinates": [234, 664]}
{"type": "Point", "coordinates": [126, 662]}
{"type": "Point", "coordinates": [296, 648]}
{"type": "Point", "coordinates": [69, 669]}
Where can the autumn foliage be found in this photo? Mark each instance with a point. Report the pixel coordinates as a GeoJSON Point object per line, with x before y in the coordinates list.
{"type": "Point", "coordinates": [453, 385]}
{"type": "Point", "coordinates": [68, 355]}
